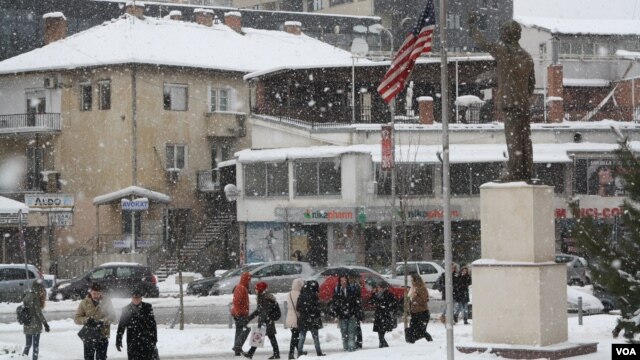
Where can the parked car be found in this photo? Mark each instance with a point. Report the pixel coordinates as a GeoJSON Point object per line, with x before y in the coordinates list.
{"type": "Point", "coordinates": [328, 280]}
{"type": "Point", "coordinates": [429, 271]}
{"type": "Point", "coordinates": [277, 274]}
{"type": "Point", "coordinates": [398, 281]}
{"type": "Point", "coordinates": [202, 287]}
{"type": "Point", "coordinates": [609, 301]}
{"type": "Point", "coordinates": [116, 279]}
{"type": "Point", "coordinates": [14, 282]}
{"type": "Point", "coordinates": [576, 269]}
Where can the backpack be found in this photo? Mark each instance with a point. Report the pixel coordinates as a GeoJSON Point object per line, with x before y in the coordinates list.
{"type": "Point", "coordinates": [275, 311]}
{"type": "Point", "coordinates": [24, 315]}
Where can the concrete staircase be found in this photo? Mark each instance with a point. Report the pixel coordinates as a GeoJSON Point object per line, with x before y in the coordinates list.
{"type": "Point", "coordinates": [212, 232]}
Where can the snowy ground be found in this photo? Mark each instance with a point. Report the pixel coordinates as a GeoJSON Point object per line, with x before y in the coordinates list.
{"type": "Point", "coordinates": [198, 341]}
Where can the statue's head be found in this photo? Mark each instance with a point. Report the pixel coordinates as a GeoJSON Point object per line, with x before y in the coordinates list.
{"type": "Point", "coordinates": [510, 32]}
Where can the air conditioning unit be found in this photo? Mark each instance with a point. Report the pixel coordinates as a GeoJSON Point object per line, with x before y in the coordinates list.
{"type": "Point", "coordinates": [173, 175]}
{"type": "Point", "coordinates": [50, 82]}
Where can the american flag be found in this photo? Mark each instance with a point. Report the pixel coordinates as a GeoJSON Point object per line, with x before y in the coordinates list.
{"type": "Point", "coordinates": [418, 42]}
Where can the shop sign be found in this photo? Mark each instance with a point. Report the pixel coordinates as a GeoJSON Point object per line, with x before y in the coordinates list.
{"type": "Point", "coordinates": [594, 212]}
{"type": "Point", "coordinates": [387, 147]}
{"type": "Point", "coordinates": [61, 218]}
{"type": "Point", "coordinates": [135, 205]}
{"type": "Point", "coordinates": [122, 244]}
{"type": "Point", "coordinates": [316, 215]}
{"type": "Point", "coordinates": [49, 201]}
{"type": "Point", "coordinates": [413, 214]}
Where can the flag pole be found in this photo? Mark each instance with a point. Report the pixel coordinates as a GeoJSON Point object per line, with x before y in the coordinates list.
{"type": "Point", "coordinates": [446, 195]}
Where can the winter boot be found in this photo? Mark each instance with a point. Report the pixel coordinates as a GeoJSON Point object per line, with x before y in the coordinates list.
{"type": "Point", "coordinates": [275, 356]}
{"type": "Point", "coordinates": [428, 337]}
{"type": "Point", "coordinates": [443, 318]}
{"type": "Point", "coordinates": [455, 319]}
{"type": "Point", "coordinates": [247, 355]}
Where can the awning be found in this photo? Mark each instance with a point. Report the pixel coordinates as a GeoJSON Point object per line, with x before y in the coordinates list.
{"type": "Point", "coordinates": [136, 191]}
{"type": "Point", "coordinates": [9, 206]}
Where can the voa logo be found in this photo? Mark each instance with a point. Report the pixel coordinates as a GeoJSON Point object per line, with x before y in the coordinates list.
{"type": "Point", "coordinates": [625, 351]}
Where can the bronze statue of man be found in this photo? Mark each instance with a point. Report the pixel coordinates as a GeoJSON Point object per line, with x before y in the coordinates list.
{"type": "Point", "coordinates": [516, 82]}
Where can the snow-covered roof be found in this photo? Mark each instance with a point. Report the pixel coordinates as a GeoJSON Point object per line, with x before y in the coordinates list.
{"type": "Point", "coordinates": [459, 153]}
{"type": "Point", "coordinates": [559, 25]}
{"type": "Point", "coordinates": [165, 42]}
{"type": "Point", "coordinates": [10, 206]}
{"type": "Point", "coordinates": [586, 82]}
{"type": "Point", "coordinates": [132, 191]}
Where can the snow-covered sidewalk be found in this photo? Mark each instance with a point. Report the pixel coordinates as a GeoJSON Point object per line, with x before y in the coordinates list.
{"type": "Point", "coordinates": [199, 341]}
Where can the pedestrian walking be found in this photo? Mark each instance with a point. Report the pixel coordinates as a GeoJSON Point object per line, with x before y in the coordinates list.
{"type": "Point", "coordinates": [138, 321]}
{"type": "Point", "coordinates": [240, 312]}
{"type": "Point", "coordinates": [440, 286]}
{"type": "Point", "coordinates": [292, 316]}
{"type": "Point", "coordinates": [384, 319]}
{"type": "Point", "coordinates": [96, 314]}
{"type": "Point", "coordinates": [267, 315]}
{"type": "Point", "coordinates": [310, 317]}
{"type": "Point", "coordinates": [461, 295]}
{"type": "Point", "coordinates": [419, 308]}
{"type": "Point", "coordinates": [34, 301]}
{"type": "Point", "coordinates": [355, 282]}
{"type": "Point", "coordinates": [346, 302]}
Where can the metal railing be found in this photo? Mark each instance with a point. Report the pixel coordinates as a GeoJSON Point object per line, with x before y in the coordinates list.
{"type": "Point", "coordinates": [45, 121]}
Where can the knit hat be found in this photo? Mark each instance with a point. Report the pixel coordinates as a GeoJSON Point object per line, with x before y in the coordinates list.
{"type": "Point", "coordinates": [261, 286]}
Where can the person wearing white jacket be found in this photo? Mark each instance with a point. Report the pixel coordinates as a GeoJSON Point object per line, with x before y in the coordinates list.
{"type": "Point", "coordinates": [292, 315]}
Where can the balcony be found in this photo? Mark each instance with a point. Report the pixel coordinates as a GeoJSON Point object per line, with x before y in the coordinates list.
{"type": "Point", "coordinates": [29, 123]}
{"type": "Point", "coordinates": [225, 124]}
{"type": "Point", "coordinates": [207, 181]}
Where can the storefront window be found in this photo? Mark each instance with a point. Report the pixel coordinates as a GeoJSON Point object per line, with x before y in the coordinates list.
{"type": "Point", "coordinates": [598, 177]}
{"type": "Point", "coordinates": [318, 178]}
{"type": "Point", "coordinates": [467, 178]}
{"type": "Point", "coordinates": [550, 174]}
{"type": "Point", "coordinates": [412, 179]}
{"type": "Point", "coordinates": [266, 179]}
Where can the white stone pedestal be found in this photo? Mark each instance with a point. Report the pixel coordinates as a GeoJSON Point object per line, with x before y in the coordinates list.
{"type": "Point", "coordinates": [519, 292]}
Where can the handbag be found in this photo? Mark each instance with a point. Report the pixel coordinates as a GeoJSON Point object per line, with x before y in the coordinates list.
{"type": "Point", "coordinates": [257, 336]}
{"type": "Point", "coordinates": [89, 333]}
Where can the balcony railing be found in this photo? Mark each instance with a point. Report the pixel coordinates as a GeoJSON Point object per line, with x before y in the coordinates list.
{"type": "Point", "coordinates": [30, 122]}
{"type": "Point", "coordinates": [207, 181]}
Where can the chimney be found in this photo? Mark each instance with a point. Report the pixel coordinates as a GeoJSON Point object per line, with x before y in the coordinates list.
{"type": "Point", "coordinates": [204, 17]}
{"type": "Point", "coordinates": [425, 105]}
{"type": "Point", "coordinates": [135, 8]}
{"type": "Point", "coordinates": [555, 103]}
{"type": "Point", "coordinates": [293, 27]}
{"type": "Point", "coordinates": [55, 27]}
{"type": "Point", "coordinates": [233, 19]}
{"type": "Point", "coordinates": [175, 15]}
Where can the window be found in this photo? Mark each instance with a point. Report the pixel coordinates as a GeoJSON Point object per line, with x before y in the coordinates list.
{"type": "Point", "coordinates": [10, 274]}
{"type": "Point", "coordinates": [104, 92]}
{"type": "Point", "coordinates": [126, 223]}
{"type": "Point", "coordinates": [85, 97]}
{"type": "Point", "coordinates": [124, 272]}
{"type": "Point", "coordinates": [218, 100]}
{"type": "Point", "coordinates": [36, 102]}
{"type": "Point", "coordinates": [102, 273]}
{"type": "Point", "coordinates": [318, 178]}
{"type": "Point", "coordinates": [598, 176]}
{"type": "Point", "coordinates": [266, 179]}
{"type": "Point", "coordinates": [176, 156]}
{"type": "Point", "coordinates": [175, 97]}
{"type": "Point", "coordinates": [550, 174]}
{"type": "Point", "coordinates": [542, 51]}
{"type": "Point", "coordinates": [427, 269]}
{"type": "Point", "coordinates": [453, 21]}
{"type": "Point", "coordinates": [291, 269]}
{"type": "Point", "coordinates": [411, 179]}
{"type": "Point", "coordinates": [35, 167]}
{"type": "Point", "coordinates": [467, 178]}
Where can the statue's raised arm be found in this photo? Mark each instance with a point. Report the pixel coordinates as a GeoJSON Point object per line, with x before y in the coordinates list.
{"type": "Point", "coordinates": [516, 82]}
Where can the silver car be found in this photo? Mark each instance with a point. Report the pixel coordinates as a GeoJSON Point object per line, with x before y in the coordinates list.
{"type": "Point", "coordinates": [277, 274]}
{"type": "Point", "coordinates": [14, 283]}
{"type": "Point", "coordinates": [576, 269]}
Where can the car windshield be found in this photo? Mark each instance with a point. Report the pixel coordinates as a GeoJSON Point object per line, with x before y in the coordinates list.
{"type": "Point", "coordinates": [238, 271]}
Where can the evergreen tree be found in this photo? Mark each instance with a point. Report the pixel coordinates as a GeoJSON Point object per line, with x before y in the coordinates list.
{"type": "Point", "coordinates": [615, 265]}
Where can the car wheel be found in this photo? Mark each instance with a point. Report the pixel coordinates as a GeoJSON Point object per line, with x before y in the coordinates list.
{"type": "Point", "coordinates": [576, 282]}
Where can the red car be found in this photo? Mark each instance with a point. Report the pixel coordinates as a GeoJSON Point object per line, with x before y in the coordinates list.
{"type": "Point", "coordinates": [329, 278]}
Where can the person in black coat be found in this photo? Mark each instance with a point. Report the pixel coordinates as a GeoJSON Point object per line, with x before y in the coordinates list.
{"type": "Point", "coordinates": [309, 318]}
{"type": "Point", "coordinates": [266, 317]}
{"type": "Point", "coordinates": [142, 334]}
{"type": "Point", "coordinates": [461, 294]}
{"type": "Point", "coordinates": [384, 319]}
{"type": "Point", "coordinates": [347, 304]}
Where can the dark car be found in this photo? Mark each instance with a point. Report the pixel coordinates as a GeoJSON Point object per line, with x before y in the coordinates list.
{"type": "Point", "coordinates": [116, 279]}
{"type": "Point", "coordinates": [609, 301]}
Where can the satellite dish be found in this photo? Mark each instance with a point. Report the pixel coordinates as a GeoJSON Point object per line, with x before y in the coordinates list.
{"type": "Point", "coordinates": [231, 192]}
{"type": "Point", "coordinates": [359, 47]}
